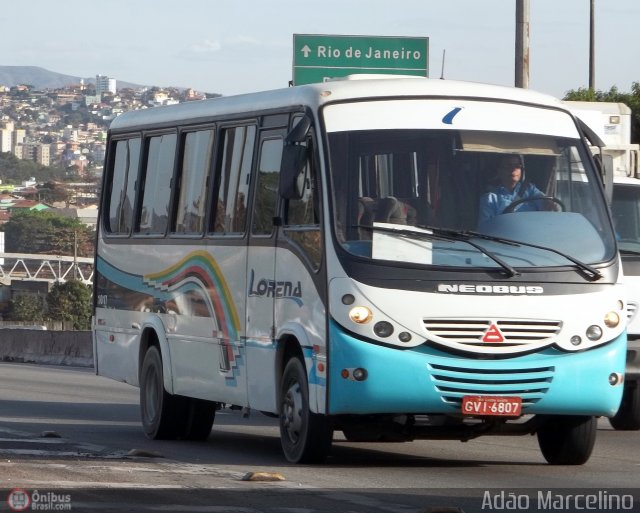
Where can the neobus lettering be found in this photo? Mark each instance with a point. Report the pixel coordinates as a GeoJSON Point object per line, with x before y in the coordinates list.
{"type": "Point", "coordinates": [272, 288]}
{"type": "Point", "coordinates": [491, 289]}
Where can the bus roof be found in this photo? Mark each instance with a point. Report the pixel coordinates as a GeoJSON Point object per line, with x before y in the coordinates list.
{"type": "Point", "coordinates": [314, 95]}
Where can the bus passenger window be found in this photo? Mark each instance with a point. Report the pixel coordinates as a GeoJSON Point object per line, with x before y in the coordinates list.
{"type": "Point", "coordinates": [302, 223]}
{"type": "Point", "coordinates": [193, 183]}
{"type": "Point", "coordinates": [154, 212]}
{"type": "Point", "coordinates": [230, 212]}
{"type": "Point", "coordinates": [266, 197]}
{"type": "Point", "coordinates": [123, 176]}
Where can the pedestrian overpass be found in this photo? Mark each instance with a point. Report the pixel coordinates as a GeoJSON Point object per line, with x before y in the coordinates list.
{"type": "Point", "coordinates": [45, 268]}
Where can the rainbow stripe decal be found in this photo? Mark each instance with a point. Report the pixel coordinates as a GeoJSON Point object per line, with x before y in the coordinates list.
{"type": "Point", "coordinates": [200, 270]}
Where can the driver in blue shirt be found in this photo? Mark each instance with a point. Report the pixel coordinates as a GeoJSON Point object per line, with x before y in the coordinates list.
{"type": "Point", "coordinates": [510, 187]}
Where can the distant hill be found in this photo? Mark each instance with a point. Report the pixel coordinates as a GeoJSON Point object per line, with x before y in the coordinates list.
{"type": "Point", "coordinates": [41, 78]}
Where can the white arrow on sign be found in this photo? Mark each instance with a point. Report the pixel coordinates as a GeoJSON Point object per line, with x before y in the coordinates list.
{"type": "Point", "coordinates": [306, 51]}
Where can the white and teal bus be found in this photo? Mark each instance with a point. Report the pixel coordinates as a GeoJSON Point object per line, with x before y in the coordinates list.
{"type": "Point", "coordinates": [315, 253]}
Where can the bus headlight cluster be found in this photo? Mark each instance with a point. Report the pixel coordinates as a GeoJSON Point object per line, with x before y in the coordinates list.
{"type": "Point", "coordinates": [595, 332]}
{"type": "Point", "coordinates": [363, 315]}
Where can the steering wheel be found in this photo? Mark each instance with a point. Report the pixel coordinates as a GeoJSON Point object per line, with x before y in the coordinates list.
{"type": "Point", "coordinates": [516, 203]}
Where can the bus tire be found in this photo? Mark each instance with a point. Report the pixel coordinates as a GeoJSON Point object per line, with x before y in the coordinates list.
{"type": "Point", "coordinates": [567, 440]}
{"type": "Point", "coordinates": [305, 436]}
{"type": "Point", "coordinates": [199, 419]}
{"type": "Point", "coordinates": [628, 416]}
{"type": "Point", "coordinates": [159, 410]}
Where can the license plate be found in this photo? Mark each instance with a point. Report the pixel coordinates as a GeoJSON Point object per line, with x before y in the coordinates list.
{"type": "Point", "coordinates": [491, 405]}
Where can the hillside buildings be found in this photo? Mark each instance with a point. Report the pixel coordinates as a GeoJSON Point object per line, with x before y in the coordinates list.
{"type": "Point", "coordinates": [67, 127]}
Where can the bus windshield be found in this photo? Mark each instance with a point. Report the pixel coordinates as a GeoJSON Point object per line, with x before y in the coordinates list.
{"type": "Point", "coordinates": [464, 184]}
{"type": "Point", "coordinates": [625, 208]}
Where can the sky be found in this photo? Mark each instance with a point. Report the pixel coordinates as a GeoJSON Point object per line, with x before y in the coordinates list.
{"type": "Point", "coordinates": [238, 46]}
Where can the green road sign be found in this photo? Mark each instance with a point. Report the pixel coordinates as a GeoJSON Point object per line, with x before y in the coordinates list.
{"type": "Point", "coordinates": [317, 58]}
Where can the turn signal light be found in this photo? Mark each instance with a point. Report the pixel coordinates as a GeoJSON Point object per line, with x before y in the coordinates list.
{"type": "Point", "coordinates": [612, 319]}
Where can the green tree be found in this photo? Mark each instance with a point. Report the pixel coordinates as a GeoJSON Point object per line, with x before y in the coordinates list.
{"type": "Point", "coordinates": [70, 302]}
{"type": "Point", "coordinates": [632, 100]}
{"type": "Point", "coordinates": [14, 170]}
{"type": "Point", "coordinates": [47, 232]}
{"type": "Point", "coordinates": [27, 308]}
{"type": "Point", "coordinates": [52, 192]}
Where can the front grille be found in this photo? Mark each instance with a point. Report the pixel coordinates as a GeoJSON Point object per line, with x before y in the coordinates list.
{"type": "Point", "coordinates": [454, 382]}
{"type": "Point", "coordinates": [632, 309]}
{"type": "Point", "coordinates": [488, 333]}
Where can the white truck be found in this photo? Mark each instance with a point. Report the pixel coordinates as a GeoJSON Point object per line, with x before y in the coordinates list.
{"type": "Point", "coordinates": [611, 122]}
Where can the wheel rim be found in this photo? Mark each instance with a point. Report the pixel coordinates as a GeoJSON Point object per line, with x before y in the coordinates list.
{"type": "Point", "coordinates": [292, 412]}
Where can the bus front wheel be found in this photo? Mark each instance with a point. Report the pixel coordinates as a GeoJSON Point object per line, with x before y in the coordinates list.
{"type": "Point", "coordinates": [567, 440]}
{"type": "Point", "coordinates": [628, 416]}
{"type": "Point", "coordinates": [305, 436]}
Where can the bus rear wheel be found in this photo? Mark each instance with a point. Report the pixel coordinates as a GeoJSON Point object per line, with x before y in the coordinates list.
{"type": "Point", "coordinates": [157, 408]}
{"type": "Point", "coordinates": [199, 418]}
{"type": "Point", "coordinates": [305, 436]}
{"type": "Point", "coordinates": [567, 440]}
{"type": "Point", "coordinates": [166, 416]}
{"type": "Point", "coordinates": [628, 416]}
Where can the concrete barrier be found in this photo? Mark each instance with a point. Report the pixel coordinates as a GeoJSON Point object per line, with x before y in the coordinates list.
{"type": "Point", "coordinates": [49, 347]}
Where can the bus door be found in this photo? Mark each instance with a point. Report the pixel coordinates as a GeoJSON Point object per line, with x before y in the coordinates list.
{"type": "Point", "coordinates": [261, 286]}
{"type": "Point", "coordinates": [301, 291]}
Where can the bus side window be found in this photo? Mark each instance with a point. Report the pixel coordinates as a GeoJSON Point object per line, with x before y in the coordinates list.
{"type": "Point", "coordinates": [266, 196]}
{"type": "Point", "coordinates": [230, 212]}
{"type": "Point", "coordinates": [193, 182]}
{"type": "Point", "coordinates": [156, 193]}
{"type": "Point", "coordinates": [302, 219]}
{"type": "Point", "coordinates": [123, 174]}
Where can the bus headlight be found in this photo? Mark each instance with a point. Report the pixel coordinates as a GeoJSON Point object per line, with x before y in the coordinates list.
{"type": "Point", "coordinates": [360, 314]}
{"type": "Point", "coordinates": [383, 329]}
{"type": "Point", "coordinates": [594, 332]}
{"type": "Point", "coordinates": [611, 319]}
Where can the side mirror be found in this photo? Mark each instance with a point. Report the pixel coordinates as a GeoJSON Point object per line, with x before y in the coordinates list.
{"type": "Point", "coordinates": [606, 164]}
{"type": "Point", "coordinates": [292, 171]}
{"type": "Point", "coordinates": [294, 161]}
{"type": "Point", "coordinates": [299, 133]}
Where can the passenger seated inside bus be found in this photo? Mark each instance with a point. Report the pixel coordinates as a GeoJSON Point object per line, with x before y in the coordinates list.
{"type": "Point", "coordinates": [383, 210]}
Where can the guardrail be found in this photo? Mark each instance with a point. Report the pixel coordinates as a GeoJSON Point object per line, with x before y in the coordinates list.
{"type": "Point", "coordinates": [46, 347]}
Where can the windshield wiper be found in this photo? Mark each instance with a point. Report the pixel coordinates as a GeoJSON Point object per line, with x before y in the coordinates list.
{"type": "Point", "coordinates": [592, 271]}
{"type": "Point", "coordinates": [450, 234]}
{"type": "Point", "coordinates": [446, 235]}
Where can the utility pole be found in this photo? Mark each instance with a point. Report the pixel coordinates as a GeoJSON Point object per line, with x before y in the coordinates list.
{"type": "Point", "coordinates": [592, 48]}
{"type": "Point", "coordinates": [522, 44]}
